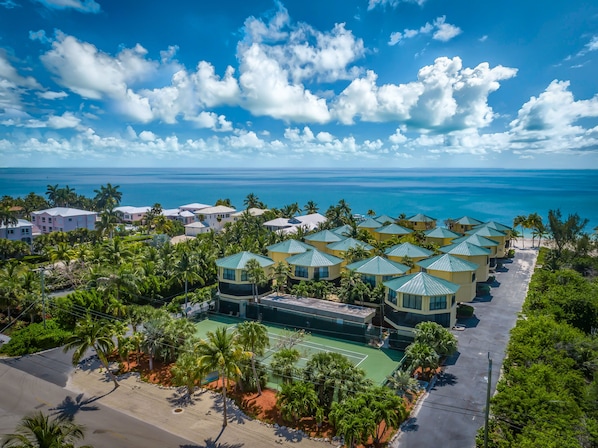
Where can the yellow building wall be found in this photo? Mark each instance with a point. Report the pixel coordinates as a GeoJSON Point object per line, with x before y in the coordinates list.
{"type": "Point", "coordinates": [439, 241]}
{"type": "Point", "coordinates": [414, 269]}
{"type": "Point", "coordinates": [277, 257]}
{"type": "Point", "coordinates": [321, 246]}
{"type": "Point", "coordinates": [425, 311]}
{"type": "Point", "coordinates": [423, 225]}
{"type": "Point", "coordinates": [483, 262]}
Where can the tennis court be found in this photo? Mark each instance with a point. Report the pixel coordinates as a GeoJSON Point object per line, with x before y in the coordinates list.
{"type": "Point", "coordinates": [377, 363]}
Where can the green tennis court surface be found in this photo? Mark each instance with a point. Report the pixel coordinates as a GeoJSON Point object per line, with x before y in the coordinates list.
{"type": "Point", "coordinates": [377, 363]}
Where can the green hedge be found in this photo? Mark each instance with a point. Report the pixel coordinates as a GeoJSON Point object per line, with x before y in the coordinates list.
{"type": "Point", "coordinates": [34, 338]}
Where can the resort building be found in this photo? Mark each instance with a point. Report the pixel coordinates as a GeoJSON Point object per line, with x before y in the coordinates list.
{"type": "Point", "coordinates": [343, 231]}
{"type": "Point", "coordinates": [215, 217]}
{"type": "Point", "coordinates": [441, 236]}
{"type": "Point", "coordinates": [194, 207]}
{"type": "Point", "coordinates": [385, 219]}
{"type": "Point", "coordinates": [421, 222]}
{"type": "Point", "coordinates": [463, 224]}
{"type": "Point", "coordinates": [420, 297]}
{"type": "Point", "coordinates": [404, 252]}
{"type": "Point", "coordinates": [497, 226]}
{"type": "Point", "coordinates": [493, 234]}
{"type": "Point", "coordinates": [279, 252]}
{"type": "Point", "coordinates": [233, 280]}
{"type": "Point", "coordinates": [481, 241]}
{"type": "Point", "coordinates": [196, 228]}
{"type": "Point", "coordinates": [63, 219]}
{"type": "Point", "coordinates": [474, 254]}
{"type": "Point", "coordinates": [376, 270]}
{"type": "Point", "coordinates": [129, 214]}
{"type": "Point", "coordinates": [290, 225]}
{"type": "Point", "coordinates": [455, 270]}
{"type": "Point", "coordinates": [21, 231]}
{"type": "Point", "coordinates": [320, 240]}
{"type": "Point", "coordinates": [370, 225]}
{"type": "Point", "coordinates": [340, 248]}
{"type": "Point", "coordinates": [183, 216]}
{"type": "Point", "coordinates": [389, 231]}
{"type": "Point", "coordinates": [314, 265]}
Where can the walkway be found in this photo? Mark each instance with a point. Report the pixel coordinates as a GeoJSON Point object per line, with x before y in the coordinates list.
{"type": "Point", "coordinates": [453, 411]}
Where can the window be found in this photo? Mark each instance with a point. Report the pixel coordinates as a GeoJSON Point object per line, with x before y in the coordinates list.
{"type": "Point", "coordinates": [11, 231]}
{"type": "Point", "coordinates": [244, 276]}
{"type": "Point", "coordinates": [368, 279]}
{"type": "Point", "coordinates": [70, 219]}
{"type": "Point", "coordinates": [453, 301]}
{"type": "Point", "coordinates": [437, 303]}
{"type": "Point", "coordinates": [387, 278]}
{"type": "Point", "coordinates": [301, 271]}
{"type": "Point", "coordinates": [43, 219]}
{"type": "Point", "coordinates": [392, 296]}
{"type": "Point", "coordinates": [424, 270]}
{"type": "Point", "coordinates": [412, 301]}
{"type": "Point", "coordinates": [321, 272]}
{"type": "Point", "coordinates": [473, 277]}
{"type": "Point", "coordinates": [228, 274]}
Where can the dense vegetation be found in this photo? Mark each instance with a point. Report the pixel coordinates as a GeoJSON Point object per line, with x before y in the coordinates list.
{"type": "Point", "coordinates": [548, 394]}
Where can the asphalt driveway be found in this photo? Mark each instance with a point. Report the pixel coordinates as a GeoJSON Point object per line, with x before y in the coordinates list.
{"type": "Point", "coordinates": [450, 415]}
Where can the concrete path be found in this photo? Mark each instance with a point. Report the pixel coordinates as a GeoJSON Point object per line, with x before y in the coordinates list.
{"type": "Point", "coordinates": [452, 412]}
{"type": "Point", "coordinates": [199, 421]}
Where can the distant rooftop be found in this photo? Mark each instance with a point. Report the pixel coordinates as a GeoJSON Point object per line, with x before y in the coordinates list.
{"type": "Point", "coordinates": [64, 211]}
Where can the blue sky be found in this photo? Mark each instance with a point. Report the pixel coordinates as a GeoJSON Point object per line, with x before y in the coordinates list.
{"type": "Point", "coordinates": [348, 83]}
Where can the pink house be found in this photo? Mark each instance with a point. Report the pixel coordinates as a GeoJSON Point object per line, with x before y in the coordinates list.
{"type": "Point", "coordinates": [22, 231]}
{"type": "Point", "coordinates": [132, 214]}
{"type": "Point", "coordinates": [63, 219]}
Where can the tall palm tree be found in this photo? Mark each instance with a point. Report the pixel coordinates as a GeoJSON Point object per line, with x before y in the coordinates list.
{"type": "Point", "coordinates": [281, 273]}
{"type": "Point", "coordinates": [297, 400]}
{"type": "Point", "coordinates": [221, 352]}
{"type": "Point", "coordinates": [107, 222]}
{"type": "Point", "coordinates": [38, 431]}
{"type": "Point", "coordinates": [186, 270]}
{"type": "Point", "coordinates": [353, 288]}
{"type": "Point", "coordinates": [107, 197]}
{"type": "Point", "coordinates": [310, 207]}
{"type": "Point", "coordinates": [92, 334]}
{"type": "Point", "coordinates": [521, 220]}
{"type": "Point", "coordinates": [7, 217]}
{"type": "Point", "coordinates": [256, 275]}
{"type": "Point", "coordinates": [534, 221]}
{"type": "Point", "coordinates": [253, 338]}
{"type": "Point", "coordinates": [252, 201]}
{"type": "Point", "coordinates": [52, 192]}
{"type": "Point", "coordinates": [284, 363]}
{"type": "Point", "coordinates": [153, 339]}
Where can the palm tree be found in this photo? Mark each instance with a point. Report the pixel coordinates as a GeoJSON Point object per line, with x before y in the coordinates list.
{"type": "Point", "coordinates": [281, 273]}
{"type": "Point", "coordinates": [534, 221]}
{"type": "Point", "coordinates": [92, 334]}
{"type": "Point", "coordinates": [402, 382]}
{"type": "Point", "coordinates": [107, 197]}
{"type": "Point", "coordinates": [284, 363]}
{"type": "Point", "coordinates": [252, 201]}
{"type": "Point", "coordinates": [7, 217]}
{"type": "Point", "coordinates": [52, 192]}
{"type": "Point", "coordinates": [310, 207]}
{"type": "Point", "coordinates": [153, 338]}
{"type": "Point", "coordinates": [186, 270]}
{"type": "Point", "coordinates": [297, 400]}
{"type": "Point", "coordinates": [187, 372]}
{"type": "Point", "coordinates": [422, 355]}
{"type": "Point", "coordinates": [256, 275]}
{"type": "Point", "coordinates": [353, 289]}
{"type": "Point", "coordinates": [107, 222]}
{"type": "Point", "coordinates": [442, 341]}
{"type": "Point", "coordinates": [540, 232]}
{"type": "Point", "coordinates": [222, 353]}
{"type": "Point", "coordinates": [38, 431]}
{"type": "Point", "coordinates": [521, 220]}
{"type": "Point", "coordinates": [253, 338]}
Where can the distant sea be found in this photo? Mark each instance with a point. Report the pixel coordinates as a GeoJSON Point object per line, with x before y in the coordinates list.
{"type": "Point", "coordinates": [485, 194]}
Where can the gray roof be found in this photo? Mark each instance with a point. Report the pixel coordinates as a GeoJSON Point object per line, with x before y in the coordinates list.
{"type": "Point", "coordinates": [487, 232]}
{"type": "Point", "coordinates": [393, 229]}
{"type": "Point", "coordinates": [408, 250]}
{"type": "Point", "coordinates": [465, 248]}
{"type": "Point", "coordinates": [468, 221]}
{"type": "Point", "coordinates": [239, 260]}
{"type": "Point", "coordinates": [369, 223]}
{"type": "Point", "coordinates": [378, 266]}
{"type": "Point", "coordinates": [64, 211]}
{"type": "Point", "coordinates": [347, 244]}
{"type": "Point", "coordinates": [422, 284]}
{"type": "Point", "coordinates": [441, 232]}
{"type": "Point", "coordinates": [420, 217]}
{"type": "Point", "coordinates": [313, 258]}
{"type": "Point", "coordinates": [448, 263]}
{"type": "Point", "coordinates": [384, 218]}
{"type": "Point", "coordinates": [343, 230]}
{"type": "Point", "coordinates": [325, 236]}
{"type": "Point", "coordinates": [290, 247]}
{"type": "Point", "coordinates": [497, 226]}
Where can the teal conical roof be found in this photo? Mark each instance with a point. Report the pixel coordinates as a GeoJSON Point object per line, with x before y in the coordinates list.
{"type": "Point", "coordinates": [347, 244]}
{"type": "Point", "coordinates": [422, 284]}
{"type": "Point", "coordinates": [497, 226]}
{"type": "Point", "coordinates": [290, 247]}
{"type": "Point", "coordinates": [343, 231]}
{"type": "Point", "coordinates": [325, 236]}
{"type": "Point", "coordinates": [478, 240]}
{"type": "Point", "coordinates": [441, 232]}
{"type": "Point", "coordinates": [384, 218]}
{"type": "Point", "coordinates": [408, 250]}
{"type": "Point", "coordinates": [465, 248]}
{"type": "Point", "coordinates": [313, 258]}
{"type": "Point", "coordinates": [420, 217]}
{"type": "Point", "coordinates": [393, 229]}
{"type": "Point", "coordinates": [486, 231]}
{"type": "Point", "coordinates": [369, 223]}
{"type": "Point", "coordinates": [468, 221]}
{"type": "Point", "coordinates": [378, 266]}
{"type": "Point", "coordinates": [448, 263]}
{"type": "Point", "coordinates": [239, 261]}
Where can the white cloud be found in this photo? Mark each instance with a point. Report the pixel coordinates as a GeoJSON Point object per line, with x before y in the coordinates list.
{"type": "Point", "coordinates": [397, 138]}
{"type": "Point", "coordinates": [325, 137]}
{"type": "Point", "coordinates": [66, 120]}
{"type": "Point", "coordinates": [147, 136]}
{"type": "Point", "coordinates": [445, 96]}
{"type": "Point", "coordinates": [87, 6]}
{"type": "Point", "coordinates": [391, 3]}
{"type": "Point", "coordinates": [593, 44]}
{"type": "Point", "coordinates": [10, 74]}
{"type": "Point", "coordinates": [49, 95]}
{"type": "Point", "coordinates": [297, 135]}
{"type": "Point", "coordinates": [442, 31]}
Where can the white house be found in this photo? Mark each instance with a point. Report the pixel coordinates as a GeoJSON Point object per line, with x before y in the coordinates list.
{"type": "Point", "coordinates": [183, 216]}
{"type": "Point", "coordinates": [286, 225]}
{"type": "Point", "coordinates": [196, 228]}
{"type": "Point", "coordinates": [252, 211]}
{"type": "Point", "coordinates": [22, 231]}
{"type": "Point", "coordinates": [195, 206]}
{"type": "Point", "coordinates": [63, 219]}
{"type": "Point", "coordinates": [215, 217]}
{"type": "Point", "coordinates": [131, 214]}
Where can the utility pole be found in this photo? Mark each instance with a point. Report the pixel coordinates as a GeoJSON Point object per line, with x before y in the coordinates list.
{"type": "Point", "coordinates": [42, 274]}
{"type": "Point", "coordinates": [488, 391]}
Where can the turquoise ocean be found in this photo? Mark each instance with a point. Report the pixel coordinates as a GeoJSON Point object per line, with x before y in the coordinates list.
{"type": "Point", "coordinates": [485, 194]}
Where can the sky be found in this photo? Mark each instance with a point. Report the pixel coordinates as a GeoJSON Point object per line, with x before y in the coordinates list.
{"type": "Point", "coordinates": [332, 83]}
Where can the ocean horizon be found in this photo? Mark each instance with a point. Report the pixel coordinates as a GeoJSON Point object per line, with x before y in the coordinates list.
{"type": "Point", "coordinates": [485, 194]}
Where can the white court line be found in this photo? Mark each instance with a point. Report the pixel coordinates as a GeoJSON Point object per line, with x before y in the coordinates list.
{"type": "Point", "coordinates": [366, 357]}
{"type": "Point", "coordinates": [326, 349]}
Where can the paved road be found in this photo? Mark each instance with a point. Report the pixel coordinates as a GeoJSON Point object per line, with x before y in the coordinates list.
{"type": "Point", "coordinates": [54, 365]}
{"type": "Point", "coordinates": [21, 393]}
{"type": "Point", "coordinates": [453, 411]}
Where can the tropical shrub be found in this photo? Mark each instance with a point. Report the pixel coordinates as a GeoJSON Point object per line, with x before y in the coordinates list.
{"type": "Point", "coordinates": [34, 338]}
